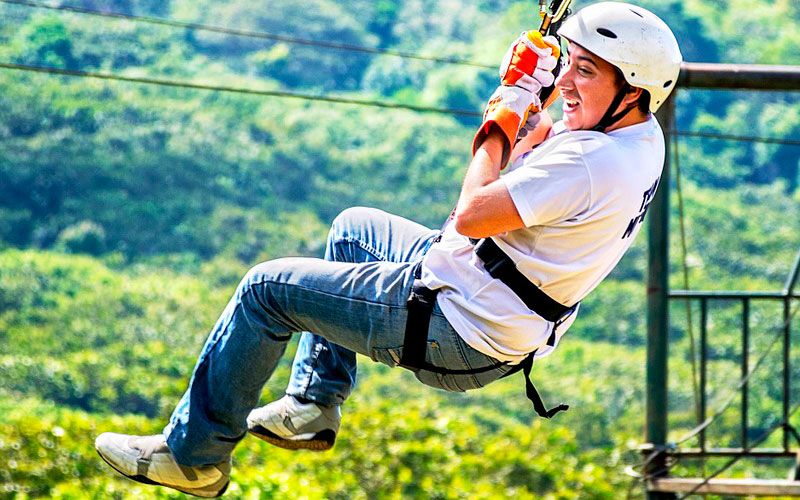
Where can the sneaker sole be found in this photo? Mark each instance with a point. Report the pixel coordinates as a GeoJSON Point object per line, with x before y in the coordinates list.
{"type": "Point", "coordinates": [322, 441]}
{"type": "Point", "coordinates": [200, 492]}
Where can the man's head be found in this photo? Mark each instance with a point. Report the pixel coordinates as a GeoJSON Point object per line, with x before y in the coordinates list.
{"type": "Point", "coordinates": [623, 62]}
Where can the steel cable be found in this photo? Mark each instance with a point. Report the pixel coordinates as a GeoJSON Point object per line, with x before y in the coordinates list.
{"type": "Point", "coordinates": [248, 34]}
{"type": "Point", "coordinates": [239, 90]}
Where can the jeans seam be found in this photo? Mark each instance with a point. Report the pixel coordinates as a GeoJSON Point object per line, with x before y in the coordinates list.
{"type": "Point", "coordinates": [363, 246]}
{"type": "Point", "coordinates": [227, 324]}
{"type": "Point", "coordinates": [460, 346]}
{"type": "Point", "coordinates": [365, 301]}
{"type": "Point", "coordinates": [315, 362]}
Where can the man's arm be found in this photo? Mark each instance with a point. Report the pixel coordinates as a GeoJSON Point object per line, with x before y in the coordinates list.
{"type": "Point", "coordinates": [485, 207]}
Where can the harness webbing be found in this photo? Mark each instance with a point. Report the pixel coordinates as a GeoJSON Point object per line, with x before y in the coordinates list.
{"type": "Point", "coordinates": [501, 267]}
{"type": "Point", "coordinates": [415, 344]}
{"type": "Point", "coordinates": [420, 307]}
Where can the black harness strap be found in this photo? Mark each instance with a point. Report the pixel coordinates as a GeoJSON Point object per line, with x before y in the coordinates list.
{"type": "Point", "coordinates": [415, 343]}
{"type": "Point", "coordinates": [538, 405]}
{"type": "Point", "coordinates": [501, 267]}
{"type": "Point", "coordinates": [420, 307]}
{"type": "Point", "coordinates": [609, 118]}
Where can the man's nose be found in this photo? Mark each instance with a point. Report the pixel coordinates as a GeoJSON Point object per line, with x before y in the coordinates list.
{"type": "Point", "coordinates": [561, 79]}
{"type": "Point", "coordinates": [565, 76]}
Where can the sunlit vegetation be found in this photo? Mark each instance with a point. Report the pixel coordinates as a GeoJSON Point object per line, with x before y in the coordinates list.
{"type": "Point", "coordinates": [129, 212]}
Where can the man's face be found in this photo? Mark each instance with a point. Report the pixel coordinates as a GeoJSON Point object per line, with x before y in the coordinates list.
{"type": "Point", "coordinates": [587, 84]}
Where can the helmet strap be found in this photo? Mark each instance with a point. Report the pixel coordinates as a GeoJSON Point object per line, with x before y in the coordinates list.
{"type": "Point", "coordinates": [609, 118]}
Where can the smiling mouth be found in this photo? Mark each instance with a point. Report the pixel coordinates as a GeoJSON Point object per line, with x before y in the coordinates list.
{"type": "Point", "coordinates": [570, 104]}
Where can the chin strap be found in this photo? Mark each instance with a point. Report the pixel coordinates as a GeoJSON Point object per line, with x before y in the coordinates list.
{"type": "Point", "coordinates": [610, 118]}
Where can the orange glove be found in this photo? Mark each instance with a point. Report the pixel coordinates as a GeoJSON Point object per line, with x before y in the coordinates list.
{"type": "Point", "coordinates": [526, 69]}
{"type": "Point", "coordinates": [533, 55]}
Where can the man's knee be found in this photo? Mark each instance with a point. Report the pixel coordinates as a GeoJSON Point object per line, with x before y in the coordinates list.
{"type": "Point", "coordinates": [350, 217]}
{"type": "Point", "coordinates": [271, 271]}
{"type": "Point", "coordinates": [350, 222]}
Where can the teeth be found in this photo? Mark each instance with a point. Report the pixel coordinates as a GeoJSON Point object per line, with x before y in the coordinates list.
{"type": "Point", "coordinates": [571, 102]}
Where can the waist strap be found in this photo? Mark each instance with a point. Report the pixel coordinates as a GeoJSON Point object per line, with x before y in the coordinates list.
{"type": "Point", "coordinates": [415, 342]}
{"type": "Point", "coordinates": [415, 345]}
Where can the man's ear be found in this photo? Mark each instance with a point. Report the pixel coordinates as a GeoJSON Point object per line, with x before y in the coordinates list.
{"type": "Point", "coordinates": [632, 95]}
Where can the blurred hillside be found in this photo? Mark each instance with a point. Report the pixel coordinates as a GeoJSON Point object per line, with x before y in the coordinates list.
{"type": "Point", "coordinates": [129, 212]}
{"type": "Point", "coordinates": [208, 172]}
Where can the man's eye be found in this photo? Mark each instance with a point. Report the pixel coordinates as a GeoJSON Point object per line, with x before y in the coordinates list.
{"type": "Point", "coordinates": [584, 70]}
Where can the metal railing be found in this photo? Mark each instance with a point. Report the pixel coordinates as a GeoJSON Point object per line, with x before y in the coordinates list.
{"type": "Point", "coordinates": [703, 298]}
{"type": "Point", "coordinates": [659, 297]}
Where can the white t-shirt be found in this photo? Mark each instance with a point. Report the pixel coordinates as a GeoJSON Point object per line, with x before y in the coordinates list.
{"type": "Point", "coordinates": [582, 196]}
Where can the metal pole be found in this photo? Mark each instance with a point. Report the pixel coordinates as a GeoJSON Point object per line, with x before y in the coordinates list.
{"type": "Point", "coordinates": [657, 307]}
{"type": "Point", "coordinates": [703, 370]}
{"type": "Point", "coordinates": [787, 338]}
{"type": "Point", "coordinates": [745, 368]}
{"type": "Point", "coordinates": [739, 76]}
{"type": "Point", "coordinates": [791, 281]}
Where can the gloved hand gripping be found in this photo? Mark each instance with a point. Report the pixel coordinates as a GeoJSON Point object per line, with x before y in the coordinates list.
{"type": "Point", "coordinates": [526, 69]}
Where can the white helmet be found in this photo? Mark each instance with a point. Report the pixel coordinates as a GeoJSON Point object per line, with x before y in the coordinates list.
{"type": "Point", "coordinates": [634, 40]}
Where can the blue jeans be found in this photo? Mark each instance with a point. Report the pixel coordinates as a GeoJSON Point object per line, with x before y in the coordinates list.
{"type": "Point", "coordinates": [354, 301]}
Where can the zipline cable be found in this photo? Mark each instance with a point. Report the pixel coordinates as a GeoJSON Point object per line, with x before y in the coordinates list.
{"type": "Point", "coordinates": [248, 33]}
{"type": "Point", "coordinates": [327, 98]}
{"type": "Point", "coordinates": [340, 46]}
{"type": "Point", "coordinates": [239, 90]}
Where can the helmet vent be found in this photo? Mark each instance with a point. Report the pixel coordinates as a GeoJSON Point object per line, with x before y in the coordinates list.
{"type": "Point", "coordinates": [606, 33]}
{"type": "Point", "coordinates": [667, 83]}
{"type": "Point", "coordinates": [637, 13]}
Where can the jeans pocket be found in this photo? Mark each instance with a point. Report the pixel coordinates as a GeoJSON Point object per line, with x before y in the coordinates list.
{"type": "Point", "coordinates": [387, 355]}
{"type": "Point", "coordinates": [451, 351]}
{"type": "Point", "coordinates": [448, 382]}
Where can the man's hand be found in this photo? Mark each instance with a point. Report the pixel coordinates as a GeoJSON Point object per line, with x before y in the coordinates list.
{"type": "Point", "coordinates": [526, 69]}
{"type": "Point", "coordinates": [530, 55]}
{"type": "Point", "coordinates": [507, 111]}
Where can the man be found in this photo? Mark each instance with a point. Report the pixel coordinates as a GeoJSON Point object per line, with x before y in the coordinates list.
{"type": "Point", "coordinates": [550, 229]}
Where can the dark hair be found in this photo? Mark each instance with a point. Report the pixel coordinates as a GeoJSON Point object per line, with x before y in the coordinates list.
{"type": "Point", "coordinates": [643, 104]}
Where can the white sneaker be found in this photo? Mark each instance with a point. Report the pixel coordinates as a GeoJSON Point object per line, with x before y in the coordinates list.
{"type": "Point", "coordinates": [147, 459]}
{"type": "Point", "coordinates": [289, 424]}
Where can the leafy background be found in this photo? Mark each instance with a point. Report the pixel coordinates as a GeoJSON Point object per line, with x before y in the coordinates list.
{"type": "Point", "coordinates": [129, 212]}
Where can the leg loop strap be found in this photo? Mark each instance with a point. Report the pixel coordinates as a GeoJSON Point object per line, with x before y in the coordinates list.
{"type": "Point", "coordinates": [415, 344]}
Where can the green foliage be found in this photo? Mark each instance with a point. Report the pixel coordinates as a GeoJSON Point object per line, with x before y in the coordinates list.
{"type": "Point", "coordinates": [64, 320]}
{"type": "Point", "coordinates": [291, 64]}
{"type": "Point", "coordinates": [737, 239]}
{"type": "Point", "coordinates": [615, 309]}
{"type": "Point", "coordinates": [80, 342]}
{"type": "Point", "coordinates": [176, 192]}
{"type": "Point", "coordinates": [48, 452]}
{"type": "Point", "coordinates": [84, 237]}
{"type": "Point", "coordinates": [44, 41]}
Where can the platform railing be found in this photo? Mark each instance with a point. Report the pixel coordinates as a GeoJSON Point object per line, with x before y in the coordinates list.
{"type": "Point", "coordinates": [704, 298]}
{"type": "Point", "coordinates": [659, 297]}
